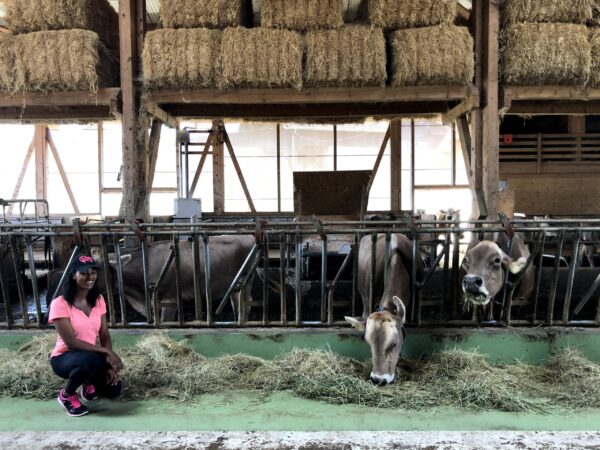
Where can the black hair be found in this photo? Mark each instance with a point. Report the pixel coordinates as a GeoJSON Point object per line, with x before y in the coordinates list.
{"type": "Point", "coordinates": [70, 290]}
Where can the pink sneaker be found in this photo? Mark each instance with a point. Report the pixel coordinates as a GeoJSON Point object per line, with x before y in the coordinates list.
{"type": "Point", "coordinates": [72, 404]}
{"type": "Point", "coordinates": [88, 392]}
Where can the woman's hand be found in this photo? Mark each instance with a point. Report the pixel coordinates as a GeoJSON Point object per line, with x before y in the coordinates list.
{"type": "Point", "coordinates": [112, 377]}
{"type": "Point", "coordinates": [114, 361]}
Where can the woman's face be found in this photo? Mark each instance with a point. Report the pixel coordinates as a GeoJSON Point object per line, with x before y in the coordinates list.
{"type": "Point", "coordinates": [85, 280]}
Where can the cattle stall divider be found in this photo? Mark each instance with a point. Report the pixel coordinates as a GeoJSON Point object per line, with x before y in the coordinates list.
{"type": "Point", "coordinates": [301, 273]}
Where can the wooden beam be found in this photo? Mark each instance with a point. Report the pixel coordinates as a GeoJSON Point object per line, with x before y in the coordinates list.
{"type": "Point", "coordinates": [22, 173]}
{"type": "Point", "coordinates": [153, 144]}
{"type": "Point", "coordinates": [463, 108]}
{"type": "Point", "coordinates": [464, 136]}
{"type": "Point", "coordinates": [238, 170]}
{"type": "Point", "coordinates": [41, 165]}
{"type": "Point", "coordinates": [313, 95]}
{"type": "Point", "coordinates": [384, 143]}
{"type": "Point", "coordinates": [553, 107]}
{"type": "Point", "coordinates": [396, 165]}
{"type": "Point", "coordinates": [157, 112]}
{"type": "Point", "coordinates": [100, 97]}
{"type": "Point", "coordinates": [218, 172]}
{"type": "Point", "coordinates": [62, 172]}
{"type": "Point", "coordinates": [205, 152]}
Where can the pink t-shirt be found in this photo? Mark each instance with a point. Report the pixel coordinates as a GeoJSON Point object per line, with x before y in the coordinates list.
{"type": "Point", "coordinates": [86, 328]}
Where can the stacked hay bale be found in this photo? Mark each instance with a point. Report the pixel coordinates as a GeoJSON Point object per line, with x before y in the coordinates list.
{"type": "Point", "coordinates": [59, 45]}
{"type": "Point", "coordinates": [546, 42]}
{"type": "Point", "coordinates": [426, 48]}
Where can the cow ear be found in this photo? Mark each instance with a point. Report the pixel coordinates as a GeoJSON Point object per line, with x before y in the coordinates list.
{"type": "Point", "coordinates": [357, 322]}
{"type": "Point", "coordinates": [112, 259]}
{"type": "Point", "coordinates": [400, 309]}
{"type": "Point", "coordinates": [514, 266]}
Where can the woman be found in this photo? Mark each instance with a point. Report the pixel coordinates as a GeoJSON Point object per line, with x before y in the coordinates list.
{"type": "Point", "coordinates": [83, 353]}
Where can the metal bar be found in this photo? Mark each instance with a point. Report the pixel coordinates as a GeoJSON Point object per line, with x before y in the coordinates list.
{"type": "Point", "coordinates": [147, 299]}
{"type": "Point", "coordinates": [446, 253]}
{"type": "Point", "coordinates": [506, 305]}
{"type": "Point", "coordinates": [538, 275]}
{"type": "Point", "coordinates": [297, 279]}
{"type": "Point", "coordinates": [278, 168]}
{"type": "Point", "coordinates": [237, 277]}
{"type": "Point", "coordinates": [197, 283]}
{"type": "Point", "coordinates": [155, 287]}
{"type": "Point", "coordinates": [109, 286]}
{"type": "Point", "coordinates": [354, 272]}
{"type": "Point", "coordinates": [455, 270]}
{"type": "Point", "coordinates": [372, 274]}
{"type": "Point", "coordinates": [334, 284]}
{"type": "Point", "coordinates": [207, 285]}
{"type": "Point", "coordinates": [6, 298]}
{"type": "Point", "coordinates": [18, 271]}
{"type": "Point", "coordinates": [265, 292]}
{"type": "Point", "coordinates": [282, 269]}
{"type": "Point", "coordinates": [552, 297]}
{"type": "Point", "coordinates": [413, 279]}
{"type": "Point", "coordinates": [178, 287]}
{"type": "Point", "coordinates": [34, 281]}
{"type": "Point", "coordinates": [323, 278]}
{"type": "Point", "coordinates": [120, 284]}
{"type": "Point", "coordinates": [569, 294]}
{"type": "Point", "coordinates": [388, 255]}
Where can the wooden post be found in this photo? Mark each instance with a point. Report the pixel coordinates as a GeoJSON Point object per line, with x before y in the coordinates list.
{"type": "Point", "coordinates": [218, 173]}
{"type": "Point", "coordinates": [396, 165]}
{"type": "Point", "coordinates": [576, 126]}
{"type": "Point", "coordinates": [41, 166]}
{"type": "Point", "coordinates": [134, 203]}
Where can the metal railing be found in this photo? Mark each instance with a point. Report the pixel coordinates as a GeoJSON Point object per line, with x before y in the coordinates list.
{"type": "Point", "coordinates": [302, 273]}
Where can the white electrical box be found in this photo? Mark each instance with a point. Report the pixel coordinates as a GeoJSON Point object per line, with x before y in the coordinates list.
{"type": "Point", "coordinates": [188, 207]}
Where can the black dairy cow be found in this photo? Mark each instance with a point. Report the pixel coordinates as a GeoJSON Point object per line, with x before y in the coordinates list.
{"type": "Point", "coordinates": [383, 328]}
{"type": "Point", "coordinates": [227, 255]}
{"type": "Point", "coordinates": [484, 265]}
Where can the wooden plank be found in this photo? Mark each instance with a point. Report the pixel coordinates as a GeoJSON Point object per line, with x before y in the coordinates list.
{"type": "Point", "coordinates": [157, 112]}
{"type": "Point", "coordinates": [153, 145]}
{"type": "Point", "coordinates": [313, 95]}
{"type": "Point", "coordinates": [218, 173]}
{"type": "Point", "coordinates": [22, 173]}
{"type": "Point", "coordinates": [238, 170]}
{"type": "Point", "coordinates": [463, 108]}
{"type": "Point", "coordinates": [513, 93]}
{"type": "Point", "coordinates": [396, 165]}
{"type": "Point", "coordinates": [205, 152]}
{"type": "Point", "coordinates": [554, 107]}
{"type": "Point", "coordinates": [62, 173]}
{"type": "Point", "coordinates": [100, 97]}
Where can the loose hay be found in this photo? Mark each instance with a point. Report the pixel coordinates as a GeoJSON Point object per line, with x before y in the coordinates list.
{"type": "Point", "coordinates": [432, 56]}
{"type": "Point", "coordinates": [301, 15]}
{"type": "Point", "coordinates": [186, 58]}
{"type": "Point", "coordinates": [395, 14]}
{"type": "Point", "coordinates": [203, 13]}
{"type": "Point", "coordinates": [159, 367]}
{"type": "Point", "coordinates": [69, 60]}
{"type": "Point", "coordinates": [538, 11]}
{"type": "Point", "coordinates": [26, 16]}
{"type": "Point", "coordinates": [349, 56]}
{"type": "Point", "coordinates": [261, 58]}
{"type": "Point", "coordinates": [541, 54]}
{"type": "Point", "coordinates": [7, 63]}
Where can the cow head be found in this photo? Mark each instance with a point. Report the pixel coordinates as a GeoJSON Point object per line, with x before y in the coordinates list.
{"type": "Point", "coordinates": [384, 334]}
{"type": "Point", "coordinates": [484, 266]}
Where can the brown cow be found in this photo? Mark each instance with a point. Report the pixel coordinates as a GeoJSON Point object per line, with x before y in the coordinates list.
{"type": "Point", "coordinates": [383, 328]}
{"type": "Point", "coordinates": [226, 253]}
{"type": "Point", "coordinates": [484, 265]}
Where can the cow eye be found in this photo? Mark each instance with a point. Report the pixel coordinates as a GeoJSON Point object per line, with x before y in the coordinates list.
{"type": "Point", "coordinates": [496, 261]}
{"type": "Point", "coordinates": [390, 347]}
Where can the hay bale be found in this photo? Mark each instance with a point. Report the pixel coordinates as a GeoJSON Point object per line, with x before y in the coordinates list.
{"type": "Point", "coordinates": [395, 14]}
{"type": "Point", "coordinates": [67, 60]}
{"type": "Point", "coordinates": [546, 53]}
{"type": "Point", "coordinates": [204, 13]}
{"type": "Point", "coordinates": [26, 16]}
{"type": "Point", "coordinates": [301, 15]}
{"type": "Point", "coordinates": [349, 56]}
{"type": "Point", "coordinates": [594, 79]}
{"type": "Point", "coordinates": [184, 58]}
{"type": "Point", "coordinates": [260, 58]}
{"type": "Point", "coordinates": [539, 11]}
{"type": "Point", "coordinates": [432, 56]}
{"type": "Point", "coordinates": [7, 63]}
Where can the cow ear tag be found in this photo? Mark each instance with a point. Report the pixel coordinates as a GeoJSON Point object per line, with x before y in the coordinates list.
{"type": "Point", "coordinates": [358, 323]}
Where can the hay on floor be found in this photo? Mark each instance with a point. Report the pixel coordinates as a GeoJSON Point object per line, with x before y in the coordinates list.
{"type": "Point", "coordinates": [204, 13]}
{"type": "Point", "coordinates": [440, 55]}
{"type": "Point", "coordinates": [7, 63]}
{"type": "Point", "coordinates": [301, 15]}
{"type": "Point", "coordinates": [261, 58]}
{"type": "Point", "coordinates": [348, 56]}
{"type": "Point", "coordinates": [546, 53]}
{"type": "Point", "coordinates": [184, 58]}
{"type": "Point", "coordinates": [395, 14]}
{"type": "Point", "coordinates": [540, 11]}
{"type": "Point", "coordinates": [68, 60]}
{"type": "Point", "coordinates": [26, 16]}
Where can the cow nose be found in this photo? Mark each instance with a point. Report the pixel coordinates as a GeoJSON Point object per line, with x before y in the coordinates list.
{"type": "Point", "coordinates": [378, 381]}
{"type": "Point", "coordinates": [472, 283]}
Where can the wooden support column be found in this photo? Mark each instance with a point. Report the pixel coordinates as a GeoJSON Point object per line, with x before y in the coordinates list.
{"type": "Point", "coordinates": [153, 144]}
{"type": "Point", "coordinates": [576, 126]}
{"type": "Point", "coordinates": [134, 203]}
{"type": "Point", "coordinates": [41, 165]}
{"type": "Point", "coordinates": [396, 165]}
{"type": "Point", "coordinates": [218, 172]}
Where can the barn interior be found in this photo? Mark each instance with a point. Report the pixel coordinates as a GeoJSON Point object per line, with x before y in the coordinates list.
{"type": "Point", "coordinates": [309, 125]}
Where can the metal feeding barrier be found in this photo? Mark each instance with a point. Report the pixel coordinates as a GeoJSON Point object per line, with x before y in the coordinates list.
{"type": "Point", "coordinates": [299, 273]}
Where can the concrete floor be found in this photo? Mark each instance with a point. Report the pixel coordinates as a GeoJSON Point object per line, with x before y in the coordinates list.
{"type": "Point", "coordinates": [247, 420]}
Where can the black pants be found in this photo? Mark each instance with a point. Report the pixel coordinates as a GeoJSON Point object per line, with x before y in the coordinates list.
{"type": "Point", "coordinates": [80, 367]}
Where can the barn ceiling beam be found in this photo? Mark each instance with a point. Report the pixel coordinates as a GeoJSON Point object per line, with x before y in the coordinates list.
{"type": "Point", "coordinates": [158, 113]}
{"type": "Point", "coordinates": [463, 108]}
{"type": "Point", "coordinates": [551, 107]}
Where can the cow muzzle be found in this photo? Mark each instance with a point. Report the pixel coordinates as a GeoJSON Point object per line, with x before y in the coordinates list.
{"type": "Point", "coordinates": [381, 379]}
{"type": "Point", "coordinates": [474, 288]}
